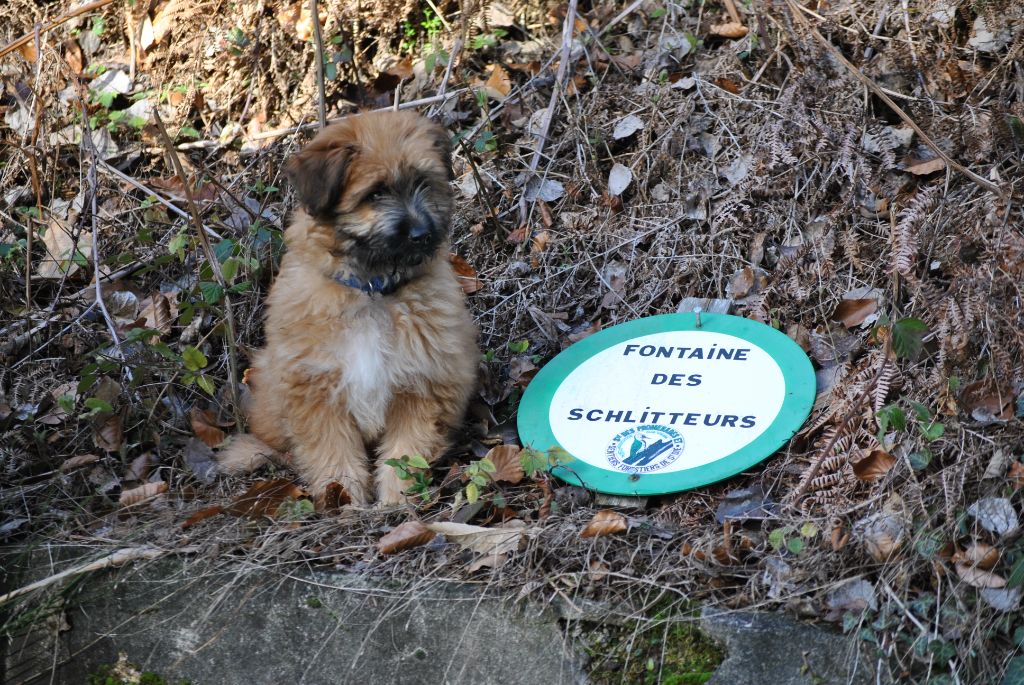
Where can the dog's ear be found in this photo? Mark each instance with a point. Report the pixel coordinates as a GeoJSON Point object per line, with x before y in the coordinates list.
{"type": "Point", "coordinates": [442, 141]}
{"type": "Point", "coordinates": [318, 173]}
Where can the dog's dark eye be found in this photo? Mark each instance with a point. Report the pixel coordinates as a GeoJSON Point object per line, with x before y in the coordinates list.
{"type": "Point", "coordinates": [376, 194]}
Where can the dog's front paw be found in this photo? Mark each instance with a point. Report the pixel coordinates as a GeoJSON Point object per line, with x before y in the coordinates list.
{"type": "Point", "coordinates": [391, 489]}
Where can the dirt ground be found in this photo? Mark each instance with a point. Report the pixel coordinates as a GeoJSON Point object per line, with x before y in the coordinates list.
{"type": "Point", "coordinates": [847, 172]}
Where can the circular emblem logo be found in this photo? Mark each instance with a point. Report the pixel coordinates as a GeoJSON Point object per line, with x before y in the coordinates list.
{"type": "Point", "coordinates": [644, 449]}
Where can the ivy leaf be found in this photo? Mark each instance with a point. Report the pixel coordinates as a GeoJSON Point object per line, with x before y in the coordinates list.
{"type": "Point", "coordinates": [919, 460]}
{"type": "Point", "coordinates": [206, 384]}
{"type": "Point", "coordinates": [533, 462]}
{"type": "Point", "coordinates": [194, 359]}
{"type": "Point", "coordinates": [97, 406]}
{"type": "Point", "coordinates": [212, 292]}
{"type": "Point", "coordinates": [1016, 578]}
{"type": "Point", "coordinates": [891, 415]}
{"type": "Point", "coordinates": [908, 337]}
{"type": "Point", "coordinates": [418, 462]}
{"type": "Point", "coordinates": [472, 492]}
{"type": "Point", "coordinates": [932, 431]}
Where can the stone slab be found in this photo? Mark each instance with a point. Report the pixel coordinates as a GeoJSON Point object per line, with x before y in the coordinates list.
{"type": "Point", "coordinates": [764, 647]}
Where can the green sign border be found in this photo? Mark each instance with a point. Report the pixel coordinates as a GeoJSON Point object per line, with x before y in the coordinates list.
{"type": "Point", "coordinates": [798, 374]}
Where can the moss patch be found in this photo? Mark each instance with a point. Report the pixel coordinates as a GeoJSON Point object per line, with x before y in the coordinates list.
{"type": "Point", "coordinates": [663, 651]}
{"type": "Point", "coordinates": [125, 673]}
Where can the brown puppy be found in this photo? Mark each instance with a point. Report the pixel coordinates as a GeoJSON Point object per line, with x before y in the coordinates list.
{"type": "Point", "coordinates": [371, 353]}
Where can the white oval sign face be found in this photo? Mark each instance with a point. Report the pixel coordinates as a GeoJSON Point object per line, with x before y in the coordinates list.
{"type": "Point", "coordinates": [659, 405]}
{"type": "Point", "coordinates": [718, 392]}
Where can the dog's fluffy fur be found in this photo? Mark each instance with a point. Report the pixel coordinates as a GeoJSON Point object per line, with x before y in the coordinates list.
{"type": "Point", "coordinates": [348, 376]}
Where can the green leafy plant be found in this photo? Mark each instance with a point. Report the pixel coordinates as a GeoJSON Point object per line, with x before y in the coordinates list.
{"type": "Point", "coordinates": [479, 474]}
{"type": "Point", "coordinates": [926, 424]}
{"type": "Point", "coordinates": [794, 540]}
{"type": "Point", "coordinates": [535, 462]}
{"type": "Point", "coordinates": [908, 337]}
{"type": "Point", "coordinates": [292, 509]}
{"type": "Point", "coordinates": [486, 40]}
{"type": "Point", "coordinates": [195, 361]}
{"type": "Point", "coordinates": [416, 469]}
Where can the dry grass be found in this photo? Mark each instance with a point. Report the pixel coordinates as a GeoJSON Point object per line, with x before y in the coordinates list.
{"type": "Point", "coordinates": [760, 160]}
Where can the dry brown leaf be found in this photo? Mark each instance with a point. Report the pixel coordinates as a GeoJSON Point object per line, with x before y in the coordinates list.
{"type": "Point", "coordinates": [264, 498]}
{"type": "Point", "coordinates": [204, 425]}
{"type": "Point", "coordinates": [875, 465]}
{"type": "Point", "coordinates": [141, 466]}
{"type": "Point", "coordinates": [61, 250]}
{"type": "Point", "coordinates": [142, 493]}
{"type": "Point", "coordinates": [404, 536]}
{"type": "Point", "coordinates": [73, 55]}
{"type": "Point", "coordinates": [159, 311]}
{"type": "Point", "coordinates": [519, 235]}
{"type": "Point", "coordinates": [334, 497]}
{"type": "Point", "coordinates": [521, 371]}
{"type": "Point", "coordinates": [1016, 474]}
{"type": "Point", "coordinates": [488, 561]}
{"type": "Point", "coordinates": [605, 522]}
{"type": "Point", "coordinates": [854, 312]}
{"type": "Point", "coordinates": [881, 534]}
{"type": "Point", "coordinates": [108, 433]}
{"type": "Point", "coordinates": [976, 577]}
{"type": "Point", "coordinates": [628, 62]}
{"type": "Point", "coordinates": [508, 467]}
{"type": "Point", "coordinates": [742, 282]}
{"type": "Point", "coordinates": [730, 29]}
{"type": "Point", "coordinates": [175, 189]}
{"type": "Point", "coordinates": [727, 84]}
{"type": "Point", "coordinates": [465, 274]}
{"type": "Point", "coordinates": [540, 241]}
{"type": "Point", "coordinates": [987, 402]}
{"type": "Point", "coordinates": [202, 515]}
{"type": "Point", "coordinates": [482, 540]}
{"type": "Point", "coordinates": [498, 85]}
{"type": "Point", "coordinates": [78, 462]}
{"type": "Point", "coordinates": [979, 555]}
{"type": "Point", "coordinates": [28, 51]}
{"type": "Point", "coordinates": [924, 167]}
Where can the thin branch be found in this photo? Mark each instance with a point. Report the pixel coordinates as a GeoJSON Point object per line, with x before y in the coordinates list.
{"type": "Point", "coordinates": [278, 132]}
{"type": "Point", "coordinates": [27, 38]}
{"type": "Point", "coordinates": [112, 560]}
{"type": "Point", "coordinates": [314, 15]}
{"type": "Point", "coordinates": [106, 168]}
{"type": "Point", "coordinates": [214, 263]}
{"type": "Point", "coordinates": [556, 91]}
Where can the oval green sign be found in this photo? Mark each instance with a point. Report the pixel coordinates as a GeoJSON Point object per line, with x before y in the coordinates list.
{"type": "Point", "coordinates": [663, 404]}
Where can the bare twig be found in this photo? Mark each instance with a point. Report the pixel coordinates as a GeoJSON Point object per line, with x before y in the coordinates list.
{"type": "Point", "coordinates": [620, 16]}
{"type": "Point", "coordinates": [556, 91]}
{"type": "Point", "coordinates": [27, 38]}
{"type": "Point", "coordinates": [730, 7]}
{"type": "Point", "coordinates": [489, 214]}
{"type": "Point", "coordinates": [33, 167]}
{"type": "Point", "coordinates": [106, 168]}
{"type": "Point", "coordinates": [314, 15]}
{"type": "Point", "coordinates": [880, 92]}
{"type": "Point", "coordinates": [456, 48]}
{"type": "Point", "coordinates": [214, 263]}
{"type": "Point", "coordinates": [278, 132]}
{"type": "Point", "coordinates": [112, 560]}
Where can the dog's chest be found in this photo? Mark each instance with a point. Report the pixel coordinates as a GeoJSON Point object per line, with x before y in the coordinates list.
{"type": "Point", "coordinates": [373, 366]}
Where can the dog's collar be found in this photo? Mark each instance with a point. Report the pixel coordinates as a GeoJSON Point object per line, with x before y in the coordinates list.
{"type": "Point", "coordinates": [377, 285]}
